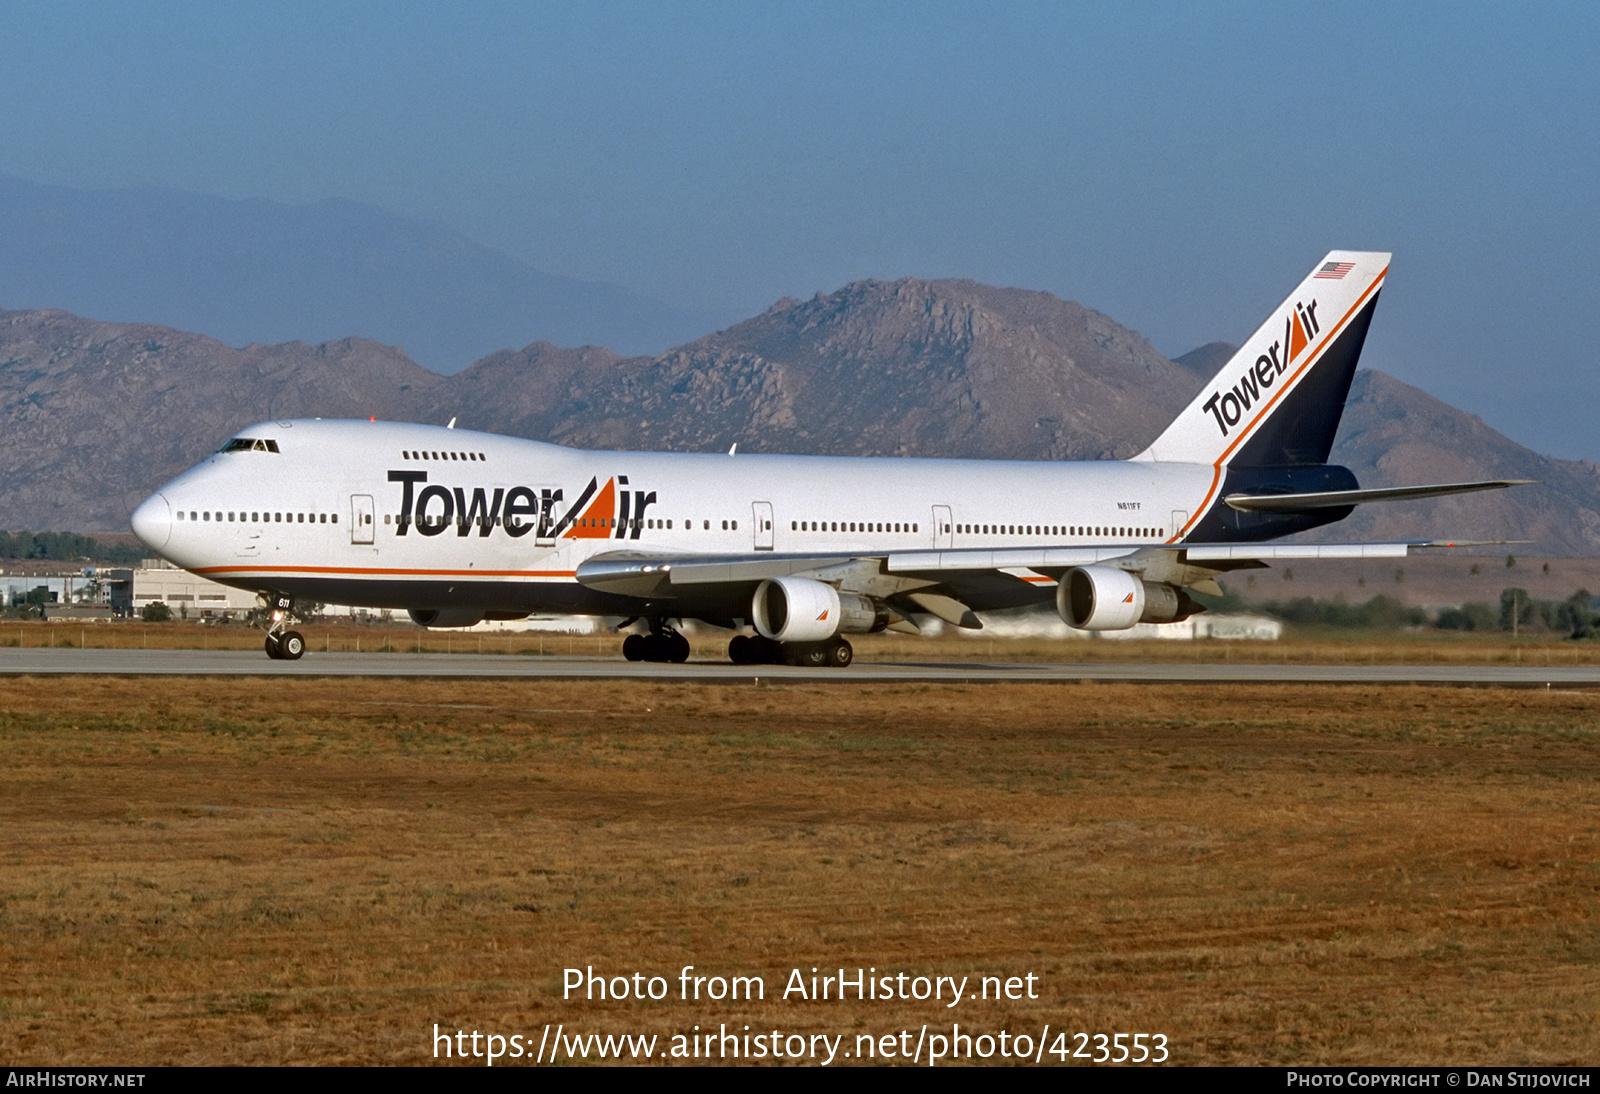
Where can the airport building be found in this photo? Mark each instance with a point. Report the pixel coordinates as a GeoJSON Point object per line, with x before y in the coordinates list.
{"type": "Point", "coordinates": [81, 593]}
{"type": "Point", "coordinates": [193, 598]}
{"type": "Point", "coordinates": [90, 593]}
{"type": "Point", "coordinates": [198, 599]}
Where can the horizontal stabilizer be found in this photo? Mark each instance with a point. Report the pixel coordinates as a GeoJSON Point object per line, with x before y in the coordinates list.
{"type": "Point", "coordinates": [1333, 499]}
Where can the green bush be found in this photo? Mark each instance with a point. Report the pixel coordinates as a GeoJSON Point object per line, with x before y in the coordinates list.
{"type": "Point", "coordinates": [1476, 616]}
{"type": "Point", "coordinates": [1379, 613]}
{"type": "Point", "coordinates": [67, 546]}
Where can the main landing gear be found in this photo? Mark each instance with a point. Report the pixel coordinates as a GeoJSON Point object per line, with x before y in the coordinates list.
{"type": "Point", "coordinates": [662, 644]}
{"type": "Point", "coordinates": [757, 650]}
{"type": "Point", "coordinates": [283, 644]}
{"type": "Point", "coordinates": [288, 646]}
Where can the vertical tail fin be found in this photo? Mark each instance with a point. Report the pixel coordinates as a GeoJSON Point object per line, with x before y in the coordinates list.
{"type": "Point", "coordinates": [1277, 401]}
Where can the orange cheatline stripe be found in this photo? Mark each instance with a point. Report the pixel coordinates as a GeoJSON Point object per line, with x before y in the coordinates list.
{"type": "Point", "coordinates": [1266, 408]}
{"type": "Point", "coordinates": [381, 571]}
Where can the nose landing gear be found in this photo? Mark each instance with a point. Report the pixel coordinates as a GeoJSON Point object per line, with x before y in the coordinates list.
{"type": "Point", "coordinates": [288, 646]}
{"type": "Point", "coordinates": [283, 644]}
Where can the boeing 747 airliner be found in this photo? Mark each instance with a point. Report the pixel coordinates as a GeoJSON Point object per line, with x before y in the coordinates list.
{"type": "Point", "coordinates": [457, 527]}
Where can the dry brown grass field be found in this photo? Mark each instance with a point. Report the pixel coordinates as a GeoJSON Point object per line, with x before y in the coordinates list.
{"type": "Point", "coordinates": [304, 871]}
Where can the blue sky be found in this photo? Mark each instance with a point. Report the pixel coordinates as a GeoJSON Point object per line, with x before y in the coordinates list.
{"type": "Point", "coordinates": [1177, 166]}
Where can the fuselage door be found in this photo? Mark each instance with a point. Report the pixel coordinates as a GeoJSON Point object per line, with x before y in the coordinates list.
{"type": "Point", "coordinates": [1180, 517]}
{"type": "Point", "coordinates": [943, 528]}
{"type": "Point", "coordinates": [552, 507]}
{"type": "Point", "coordinates": [763, 520]}
{"type": "Point", "coordinates": [361, 522]}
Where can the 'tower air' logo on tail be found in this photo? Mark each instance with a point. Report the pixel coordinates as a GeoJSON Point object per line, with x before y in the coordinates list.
{"type": "Point", "coordinates": [1299, 327]}
{"type": "Point", "coordinates": [1277, 400]}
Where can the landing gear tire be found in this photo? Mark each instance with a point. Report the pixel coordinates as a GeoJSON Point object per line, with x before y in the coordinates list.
{"type": "Point", "coordinates": [840, 654]}
{"type": "Point", "coordinates": [834, 653]}
{"type": "Point", "coordinates": [756, 650]}
{"type": "Point", "coordinates": [669, 648]}
{"type": "Point", "coordinates": [812, 655]}
{"type": "Point", "coordinates": [281, 644]}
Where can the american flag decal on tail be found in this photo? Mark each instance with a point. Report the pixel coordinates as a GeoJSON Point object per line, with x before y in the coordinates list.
{"type": "Point", "coordinates": [1334, 271]}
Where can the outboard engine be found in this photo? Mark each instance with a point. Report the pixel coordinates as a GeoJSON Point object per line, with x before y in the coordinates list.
{"type": "Point", "coordinates": [798, 609]}
{"type": "Point", "coordinates": [1102, 598]}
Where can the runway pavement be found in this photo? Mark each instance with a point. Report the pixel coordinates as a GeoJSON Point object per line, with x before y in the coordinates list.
{"type": "Point", "coordinates": [58, 662]}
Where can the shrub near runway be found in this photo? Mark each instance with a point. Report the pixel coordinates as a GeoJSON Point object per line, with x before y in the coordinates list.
{"type": "Point", "coordinates": [319, 871]}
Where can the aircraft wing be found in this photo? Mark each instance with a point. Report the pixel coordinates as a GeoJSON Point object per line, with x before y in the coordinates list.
{"type": "Point", "coordinates": [952, 583]}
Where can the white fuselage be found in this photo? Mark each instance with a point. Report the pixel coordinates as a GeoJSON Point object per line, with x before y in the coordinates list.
{"type": "Point", "coordinates": [397, 515]}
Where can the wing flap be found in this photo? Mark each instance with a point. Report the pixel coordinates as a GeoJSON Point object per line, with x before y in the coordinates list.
{"type": "Point", "coordinates": [633, 573]}
{"type": "Point", "coordinates": [1009, 558]}
{"type": "Point", "coordinates": [641, 575]}
{"type": "Point", "coordinates": [977, 578]}
{"type": "Point", "coordinates": [947, 608]}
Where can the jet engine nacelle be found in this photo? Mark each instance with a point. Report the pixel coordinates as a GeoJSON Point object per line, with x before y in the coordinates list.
{"type": "Point", "coordinates": [452, 617]}
{"type": "Point", "coordinates": [797, 609]}
{"type": "Point", "coordinates": [1100, 598]}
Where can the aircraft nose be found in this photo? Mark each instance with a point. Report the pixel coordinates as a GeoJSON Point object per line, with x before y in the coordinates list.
{"type": "Point", "coordinates": [152, 522]}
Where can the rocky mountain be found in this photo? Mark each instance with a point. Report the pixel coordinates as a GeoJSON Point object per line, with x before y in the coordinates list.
{"type": "Point", "coordinates": [1393, 434]}
{"type": "Point", "coordinates": [904, 368]}
{"type": "Point", "coordinates": [95, 413]}
{"type": "Point", "coordinates": [98, 414]}
{"type": "Point", "coordinates": [1206, 361]}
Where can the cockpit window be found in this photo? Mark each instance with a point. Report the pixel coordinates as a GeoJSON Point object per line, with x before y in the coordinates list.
{"type": "Point", "coordinates": [250, 444]}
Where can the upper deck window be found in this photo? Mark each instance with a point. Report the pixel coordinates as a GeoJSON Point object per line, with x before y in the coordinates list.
{"type": "Point", "coordinates": [250, 444]}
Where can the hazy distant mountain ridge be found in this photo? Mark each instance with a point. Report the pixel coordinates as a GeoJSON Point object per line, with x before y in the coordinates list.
{"type": "Point", "coordinates": [261, 271]}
